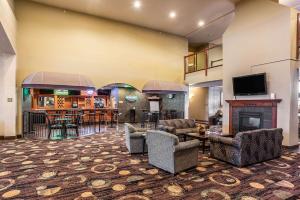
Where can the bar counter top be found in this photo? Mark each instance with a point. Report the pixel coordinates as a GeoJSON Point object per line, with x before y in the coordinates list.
{"type": "Point", "coordinates": [74, 109]}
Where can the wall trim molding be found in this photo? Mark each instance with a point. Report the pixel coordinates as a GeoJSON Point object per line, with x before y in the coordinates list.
{"type": "Point", "coordinates": [276, 61]}
{"type": "Point", "coordinates": [10, 137]}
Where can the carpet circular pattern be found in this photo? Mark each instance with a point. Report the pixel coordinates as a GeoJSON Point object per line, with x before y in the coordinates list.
{"type": "Point", "coordinates": [100, 167]}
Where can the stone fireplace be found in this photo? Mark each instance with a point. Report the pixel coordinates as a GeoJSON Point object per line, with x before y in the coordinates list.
{"type": "Point", "coordinates": [245, 115]}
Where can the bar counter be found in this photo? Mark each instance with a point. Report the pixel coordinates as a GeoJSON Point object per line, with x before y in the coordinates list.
{"type": "Point", "coordinates": [88, 114]}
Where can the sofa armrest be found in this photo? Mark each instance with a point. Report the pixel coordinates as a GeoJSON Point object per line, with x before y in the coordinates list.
{"type": "Point", "coordinates": [137, 135]}
{"type": "Point", "coordinates": [187, 145]}
{"type": "Point", "coordinates": [224, 140]}
{"type": "Point", "coordinates": [141, 129]}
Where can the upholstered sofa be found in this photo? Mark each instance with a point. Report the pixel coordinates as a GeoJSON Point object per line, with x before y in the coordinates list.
{"type": "Point", "coordinates": [167, 153]}
{"type": "Point", "coordinates": [247, 148]}
{"type": "Point", "coordinates": [179, 126]}
{"type": "Point", "coordinates": [134, 138]}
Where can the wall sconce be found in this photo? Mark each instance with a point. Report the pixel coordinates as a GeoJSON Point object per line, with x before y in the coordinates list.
{"type": "Point", "coordinates": [171, 96]}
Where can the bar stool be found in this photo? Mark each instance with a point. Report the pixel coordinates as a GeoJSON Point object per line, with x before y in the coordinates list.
{"type": "Point", "coordinates": [92, 120]}
{"type": "Point", "coordinates": [132, 115]}
{"type": "Point", "coordinates": [168, 115]}
{"type": "Point", "coordinates": [74, 123]}
{"type": "Point", "coordinates": [102, 119]}
{"type": "Point", "coordinates": [113, 116]}
{"type": "Point", "coordinates": [53, 125]}
{"type": "Point", "coordinates": [147, 119]}
{"type": "Point", "coordinates": [173, 114]}
{"type": "Point", "coordinates": [155, 118]}
{"type": "Point", "coordinates": [144, 117]}
{"type": "Point", "coordinates": [118, 115]}
{"type": "Point", "coordinates": [81, 117]}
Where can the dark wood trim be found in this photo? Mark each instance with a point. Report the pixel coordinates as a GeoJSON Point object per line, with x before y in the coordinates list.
{"type": "Point", "coordinates": [206, 62]}
{"type": "Point", "coordinates": [204, 69]}
{"type": "Point", "coordinates": [276, 61]}
{"type": "Point", "coordinates": [210, 22]}
{"type": "Point", "coordinates": [230, 119]}
{"type": "Point", "coordinates": [184, 70]}
{"type": "Point", "coordinates": [8, 137]}
{"type": "Point", "coordinates": [195, 62]}
{"type": "Point", "coordinates": [254, 103]}
{"type": "Point", "coordinates": [214, 61]}
{"type": "Point", "coordinates": [291, 147]}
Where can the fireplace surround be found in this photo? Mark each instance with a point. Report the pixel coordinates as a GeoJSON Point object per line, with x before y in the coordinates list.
{"type": "Point", "coordinates": [252, 114]}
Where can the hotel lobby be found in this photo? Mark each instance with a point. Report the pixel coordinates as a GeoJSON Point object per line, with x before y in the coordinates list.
{"type": "Point", "coordinates": [150, 99]}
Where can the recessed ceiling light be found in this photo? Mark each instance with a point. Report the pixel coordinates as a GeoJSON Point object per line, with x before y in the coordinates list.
{"type": "Point", "coordinates": [201, 23]}
{"type": "Point", "coordinates": [172, 14]}
{"type": "Point", "coordinates": [137, 4]}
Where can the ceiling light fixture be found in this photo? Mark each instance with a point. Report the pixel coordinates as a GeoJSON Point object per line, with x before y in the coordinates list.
{"type": "Point", "coordinates": [137, 4]}
{"type": "Point", "coordinates": [201, 23]}
{"type": "Point", "coordinates": [172, 14]}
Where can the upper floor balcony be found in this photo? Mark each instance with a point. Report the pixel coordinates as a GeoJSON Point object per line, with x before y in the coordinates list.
{"type": "Point", "coordinates": [204, 66]}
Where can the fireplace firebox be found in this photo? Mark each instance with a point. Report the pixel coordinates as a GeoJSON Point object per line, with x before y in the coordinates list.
{"type": "Point", "coordinates": [250, 121]}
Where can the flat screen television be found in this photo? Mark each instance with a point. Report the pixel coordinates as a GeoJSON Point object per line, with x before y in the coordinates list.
{"type": "Point", "coordinates": [255, 84]}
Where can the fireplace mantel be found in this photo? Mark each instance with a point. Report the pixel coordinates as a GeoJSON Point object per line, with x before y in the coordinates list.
{"type": "Point", "coordinates": [236, 104]}
{"type": "Point", "coordinates": [255, 102]}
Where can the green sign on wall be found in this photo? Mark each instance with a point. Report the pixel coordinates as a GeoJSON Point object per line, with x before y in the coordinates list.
{"type": "Point", "coordinates": [61, 92]}
{"type": "Point", "coordinates": [26, 92]}
{"type": "Point", "coordinates": [131, 98]}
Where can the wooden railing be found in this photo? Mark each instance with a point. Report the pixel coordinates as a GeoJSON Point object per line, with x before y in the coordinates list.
{"type": "Point", "coordinates": [199, 61]}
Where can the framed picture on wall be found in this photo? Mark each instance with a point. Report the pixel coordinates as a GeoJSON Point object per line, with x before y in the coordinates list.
{"type": "Point", "coordinates": [154, 106]}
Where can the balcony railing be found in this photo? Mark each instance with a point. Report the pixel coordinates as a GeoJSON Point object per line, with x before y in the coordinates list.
{"type": "Point", "coordinates": [201, 61]}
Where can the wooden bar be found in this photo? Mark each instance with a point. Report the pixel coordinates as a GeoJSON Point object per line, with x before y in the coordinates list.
{"type": "Point", "coordinates": [52, 102]}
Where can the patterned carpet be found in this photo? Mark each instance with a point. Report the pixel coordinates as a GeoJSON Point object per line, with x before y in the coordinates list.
{"type": "Point", "coordinates": [99, 167]}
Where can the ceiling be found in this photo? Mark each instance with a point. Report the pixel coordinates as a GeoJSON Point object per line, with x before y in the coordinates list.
{"type": "Point", "coordinates": [291, 3]}
{"type": "Point", "coordinates": [154, 14]}
{"type": "Point", "coordinates": [6, 45]}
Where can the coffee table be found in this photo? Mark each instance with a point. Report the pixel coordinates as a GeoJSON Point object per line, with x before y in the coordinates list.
{"type": "Point", "coordinates": [203, 138]}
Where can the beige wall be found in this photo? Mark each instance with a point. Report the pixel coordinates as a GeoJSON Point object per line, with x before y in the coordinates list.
{"type": "Point", "coordinates": [198, 103]}
{"type": "Point", "coordinates": [103, 50]}
{"type": "Point", "coordinates": [263, 32]}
